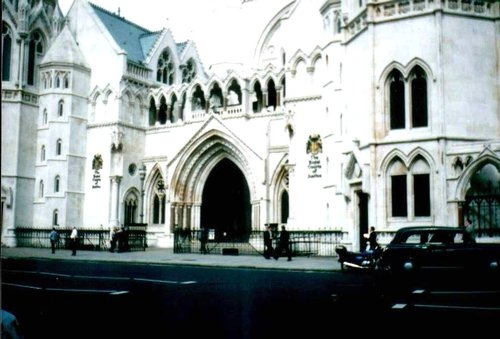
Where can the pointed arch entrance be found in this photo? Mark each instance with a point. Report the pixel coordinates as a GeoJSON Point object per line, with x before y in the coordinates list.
{"type": "Point", "coordinates": [213, 186]}
{"type": "Point", "coordinates": [225, 203]}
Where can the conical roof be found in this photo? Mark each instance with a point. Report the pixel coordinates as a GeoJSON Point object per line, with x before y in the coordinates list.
{"type": "Point", "coordinates": [65, 50]}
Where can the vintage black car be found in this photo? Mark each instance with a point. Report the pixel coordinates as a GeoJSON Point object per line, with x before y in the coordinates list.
{"type": "Point", "coordinates": [419, 248]}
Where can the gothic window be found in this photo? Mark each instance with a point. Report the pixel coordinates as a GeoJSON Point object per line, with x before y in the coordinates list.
{"type": "Point", "coordinates": [397, 100]}
{"type": "Point", "coordinates": [271, 94]}
{"type": "Point", "coordinates": [45, 117]}
{"type": "Point", "coordinates": [199, 101]}
{"type": "Point", "coordinates": [165, 68]}
{"type": "Point", "coordinates": [159, 203]}
{"type": "Point", "coordinates": [418, 83]}
{"type": "Point", "coordinates": [172, 114]}
{"type": "Point", "coordinates": [152, 112]}
{"type": "Point", "coordinates": [58, 80]}
{"type": "Point", "coordinates": [283, 88]}
{"type": "Point", "coordinates": [40, 189]}
{"type": "Point", "coordinates": [35, 52]}
{"type": "Point", "coordinates": [162, 114]}
{"type": "Point", "coordinates": [60, 108]}
{"type": "Point", "coordinates": [257, 97]}
{"type": "Point", "coordinates": [339, 26]}
{"type": "Point", "coordinates": [234, 94]}
{"type": "Point", "coordinates": [57, 181]}
{"type": "Point", "coordinates": [410, 191]}
{"type": "Point", "coordinates": [55, 218]}
{"type": "Point", "coordinates": [131, 203]}
{"type": "Point", "coordinates": [215, 98]}
{"type": "Point", "coordinates": [42, 153]}
{"type": "Point", "coordinates": [188, 71]}
{"type": "Point", "coordinates": [58, 147]}
{"type": "Point", "coordinates": [66, 80]}
{"type": "Point", "coordinates": [6, 51]}
{"type": "Point", "coordinates": [413, 111]}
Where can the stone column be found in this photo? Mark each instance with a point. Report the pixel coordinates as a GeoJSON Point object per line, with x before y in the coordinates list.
{"type": "Point", "coordinates": [115, 204]}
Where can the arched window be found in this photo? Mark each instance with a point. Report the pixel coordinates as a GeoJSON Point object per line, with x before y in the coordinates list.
{"type": "Point", "coordinates": [271, 94]}
{"type": "Point", "coordinates": [40, 189]}
{"type": "Point", "coordinates": [283, 88]}
{"type": "Point", "coordinates": [159, 203]}
{"type": "Point", "coordinates": [399, 189]}
{"type": "Point", "coordinates": [58, 80]}
{"type": "Point", "coordinates": [57, 182]}
{"type": "Point", "coordinates": [35, 52]}
{"type": "Point", "coordinates": [199, 101]}
{"type": "Point", "coordinates": [66, 80]}
{"type": "Point", "coordinates": [45, 117]}
{"type": "Point", "coordinates": [234, 94]}
{"type": "Point", "coordinates": [131, 203]}
{"type": "Point", "coordinates": [152, 112]}
{"type": "Point", "coordinates": [188, 71]}
{"type": "Point", "coordinates": [60, 108]}
{"type": "Point", "coordinates": [410, 191]}
{"type": "Point", "coordinates": [42, 153]}
{"type": "Point", "coordinates": [284, 207]}
{"type": "Point", "coordinates": [397, 100]}
{"type": "Point", "coordinates": [162, 114]}
{"type": "Point", "coordinates": [6, 51]}
{"type": "Point", "coordinates": [215, 98]}
{"type": "Point", "coordinates": [165, 68]}
{"type": "Point", "coordinates": [172, 112]}
{"type": "Point", "coordinates": [418, 83]}
{"type": "Point", "coordinates": [59, 147]}
{"type": "Point", "coordinates": [55, 218]}
{"type": "Point", "coordinates": [257, 98]}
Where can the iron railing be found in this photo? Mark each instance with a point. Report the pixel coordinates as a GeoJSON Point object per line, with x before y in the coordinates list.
{"type": "Point", "coordinates": [88, 238]}
{"type": "Point", "coordinates": [302, 243]}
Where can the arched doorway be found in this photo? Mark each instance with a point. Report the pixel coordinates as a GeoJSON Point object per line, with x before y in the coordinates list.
{"type": "Point", "coordinates": [225, 203]}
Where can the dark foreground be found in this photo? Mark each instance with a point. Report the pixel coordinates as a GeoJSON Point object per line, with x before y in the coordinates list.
{"type": "Point", "coordinates": [89, 300]}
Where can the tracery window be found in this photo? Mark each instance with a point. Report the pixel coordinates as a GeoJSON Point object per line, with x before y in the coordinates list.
{"type": "Point", "coordinates": [6, 51]}
{"type": "Point", "coordinates": [412, 112]}
{"type": "Point", "coordinates": [55, 218]}
{"type": "Point", "coordinates": [409, 189]}
{"type": "Point", "coordinates": [35, 52]}
{"type": "Point", "coordinates": [165, 68]}
{"type": "Point", "coordinates": [257, 98]}
{"type": "Point", "coordinates": [42, 153]}
{"type": "Point", "coordinates": [40, 189]}
{"type": "Point", "coordinates": [188, 71]}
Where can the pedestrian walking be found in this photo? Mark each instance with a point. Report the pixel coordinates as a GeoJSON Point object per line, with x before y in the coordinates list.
{"type": "Point", "coordinates": [203, 240]}
{"type": "Point", "coordinates": [73, 240]}
{"type": "Point", "coordinates": [54, 239]}
{"type": "Point", "coordinates": [284, 244]}
{"type": "Point", "coordinates": [268, 242]}
{"type": "Point", "coordinates": [114, 239]}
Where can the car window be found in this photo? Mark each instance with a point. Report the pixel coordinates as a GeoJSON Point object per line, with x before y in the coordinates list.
{"type": "Point", "coordinates": [441, 238]}
{"type": "Point", "coordinates": [412, 239]}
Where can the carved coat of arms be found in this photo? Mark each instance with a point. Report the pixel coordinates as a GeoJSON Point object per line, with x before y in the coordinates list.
{"type": "Point", "coordinates": [314, 144]}
{"type": "Point", "coordinates": [97, 162]}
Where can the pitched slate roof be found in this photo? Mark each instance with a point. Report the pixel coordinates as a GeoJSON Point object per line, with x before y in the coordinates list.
{"type": "Point", "coordinates": [137, 41]}
{"type": "Point", "coordinates": [132, 38]}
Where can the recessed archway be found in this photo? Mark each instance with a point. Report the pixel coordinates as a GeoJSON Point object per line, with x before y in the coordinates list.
{"type": "Point", "coordinates": [225, 205]}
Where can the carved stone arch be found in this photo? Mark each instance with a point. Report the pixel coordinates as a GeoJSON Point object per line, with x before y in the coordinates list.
{"type": "Point", "coordinates": [194, 85]}
{"type": "Point", "coordinates": [296, 60]}
{"type": "Point", "coordinates": [464, 180]}
{"type": "Point", "coordinates": [389, 159]}
{"type": "Point", "coordinates": [106, 92]}
{"type": "Point", "coordinates": [254, 80]}
{"type": "Point", "coordinates": [279, 184]}
{"type": "Point", "coordinates": [94, 95]}
{"type": "Point", "coordinates": [230, 80]}
{"type": "Point", "coordinates": [422, 64]}
{"type": "Point", "coordinates": [316, 54]}
{"type": "Point", "coordinates": [131, 201]}
{"type": "Point", "coordinates": [421, 153]}
{"type": "Point", "coordinates": [387, 70]}
{"type": "Point", "coordinates": [203, 153]}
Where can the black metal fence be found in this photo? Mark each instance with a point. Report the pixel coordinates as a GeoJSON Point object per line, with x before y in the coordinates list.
{"type": "Point", "coordinates": [88, 238]}
{"type": "Point", "coordinates": [302, 243]}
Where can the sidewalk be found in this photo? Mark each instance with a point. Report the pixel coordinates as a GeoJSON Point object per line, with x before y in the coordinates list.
{"type": "Point", "coordinates": [159, 256]}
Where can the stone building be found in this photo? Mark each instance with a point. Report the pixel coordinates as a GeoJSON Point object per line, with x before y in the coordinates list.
{"type": "Point", "coordinates": [318, 114]}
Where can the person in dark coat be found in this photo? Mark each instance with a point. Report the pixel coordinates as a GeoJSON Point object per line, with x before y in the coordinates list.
{"type": "Point", "coordinates": [268, 243]}
{"type": "Point", "coordinates": [203, 240]}
{"type": "Point", "coordinates": [54, 239]}
{"type": "Point", "coordinates": [284, 244]}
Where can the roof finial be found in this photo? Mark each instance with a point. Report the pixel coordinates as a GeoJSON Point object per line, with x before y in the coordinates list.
{"type": "Point", "coordinates": [118, 10]}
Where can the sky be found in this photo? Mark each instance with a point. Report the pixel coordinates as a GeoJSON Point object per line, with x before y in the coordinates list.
{"type": "Point", "coordinates": [187, 19]}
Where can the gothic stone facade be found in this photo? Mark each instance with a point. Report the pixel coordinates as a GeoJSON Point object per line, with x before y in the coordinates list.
{"type": "Point", "coordinates": [339, 114]}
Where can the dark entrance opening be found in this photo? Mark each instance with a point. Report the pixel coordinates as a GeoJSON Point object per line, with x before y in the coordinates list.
{"type": "Point", "coordinates": [225, 203]}
{"type": "Point", "coordinates": [363, 218]}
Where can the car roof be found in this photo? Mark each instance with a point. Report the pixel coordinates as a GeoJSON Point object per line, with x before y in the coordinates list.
{"type": "Point", "coordinates": [429, 228]}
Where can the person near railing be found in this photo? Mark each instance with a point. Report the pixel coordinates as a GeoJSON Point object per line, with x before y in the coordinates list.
{"type": "Point", "coordinates": [73, 240]}
{"type": "Point", "coordinates": [283, 244]}
{"type": "Point", "coordinates": [203, 240]}
{"type": "Point", "coordinates": [54, 239]}
{"type": "Point", "coordinates": [268, 242]}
